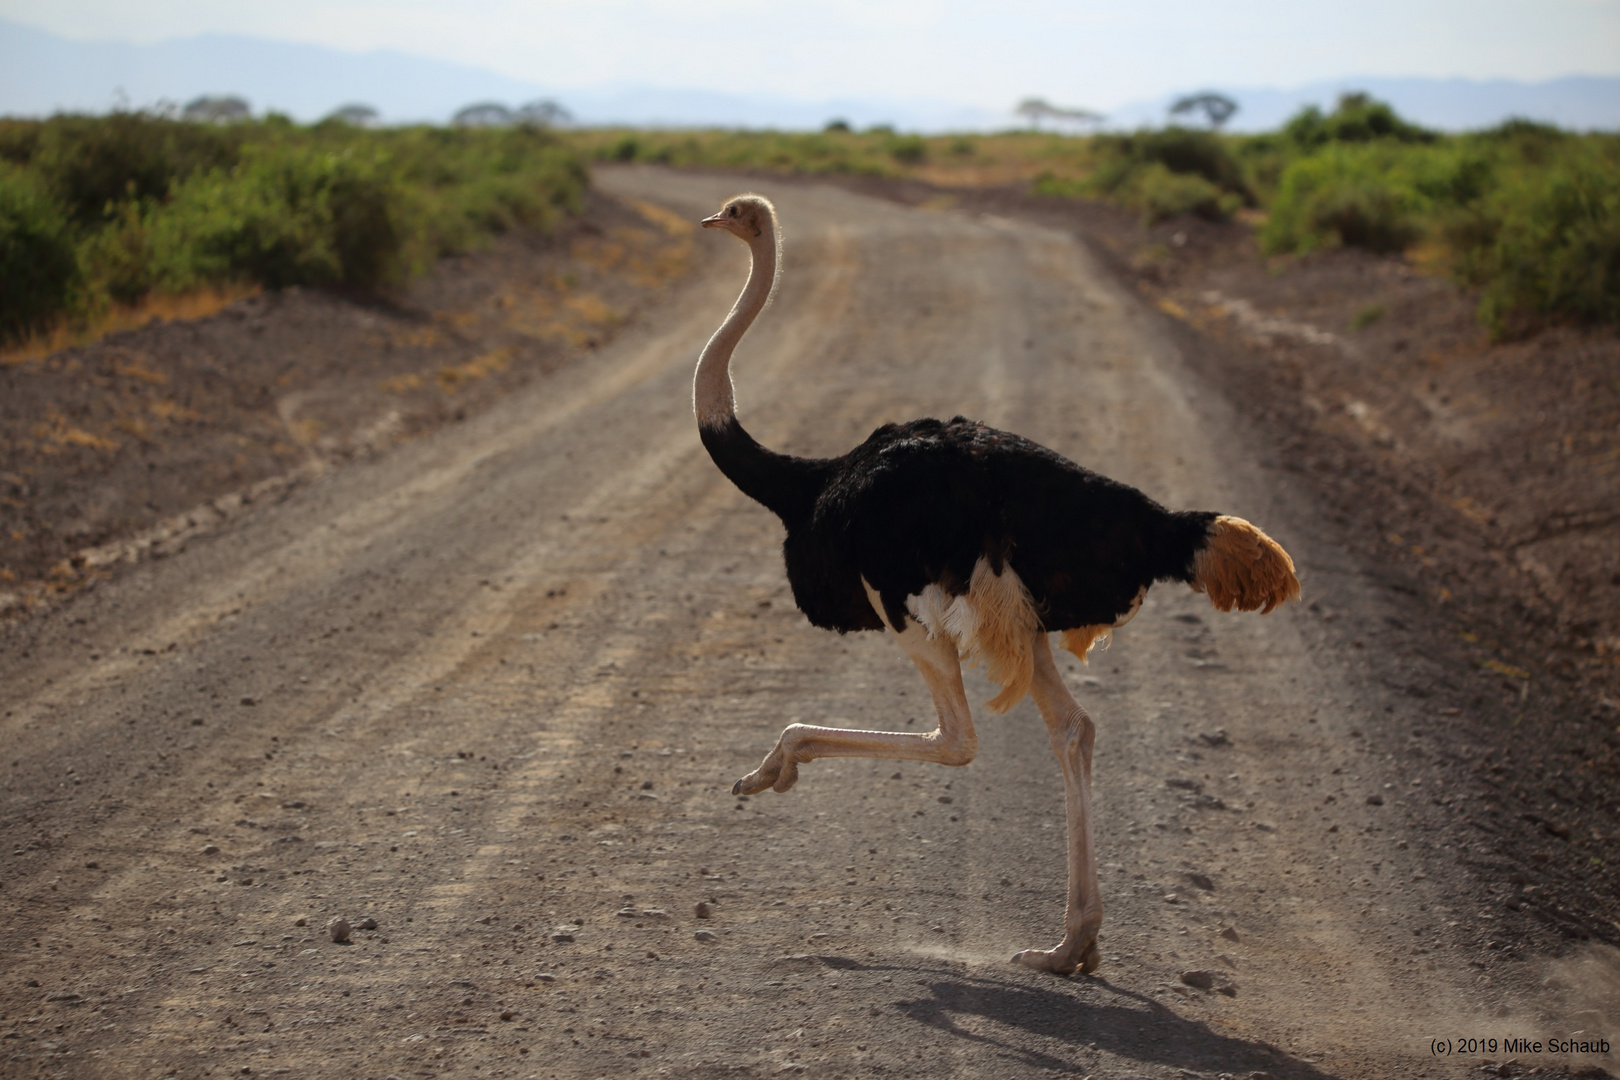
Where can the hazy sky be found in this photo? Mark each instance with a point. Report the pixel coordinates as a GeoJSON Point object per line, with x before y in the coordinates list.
{"type": "Point", "coordinates": [1097, 53]}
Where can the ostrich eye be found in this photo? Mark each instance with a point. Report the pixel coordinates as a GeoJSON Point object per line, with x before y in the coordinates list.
{"type": "Point", "coordinates": [732, 211]}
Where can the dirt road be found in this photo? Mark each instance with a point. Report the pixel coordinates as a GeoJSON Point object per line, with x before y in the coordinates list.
{"type": "Point", "coordinates": [491, 691]}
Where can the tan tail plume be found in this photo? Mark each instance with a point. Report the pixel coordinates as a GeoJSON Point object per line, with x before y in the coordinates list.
{"type": "Point", "coordinates": [1241, 567]}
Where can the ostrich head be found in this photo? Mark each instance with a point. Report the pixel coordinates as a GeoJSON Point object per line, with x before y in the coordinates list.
{"type": "Point", "coordinates": [748, 217]}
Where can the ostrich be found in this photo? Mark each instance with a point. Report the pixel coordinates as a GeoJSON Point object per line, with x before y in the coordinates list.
{"type": "Point", "coordinates": [965, 542]}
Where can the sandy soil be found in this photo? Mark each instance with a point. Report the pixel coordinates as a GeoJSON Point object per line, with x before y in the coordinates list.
{"type": "Point", "coordinates": [490, 689]}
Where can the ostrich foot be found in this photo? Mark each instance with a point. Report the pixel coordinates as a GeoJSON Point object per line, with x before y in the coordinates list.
{"type": "Point", "coordinates": [778, 771]}
{"type": "Point", "coordinates": [1062, 961]}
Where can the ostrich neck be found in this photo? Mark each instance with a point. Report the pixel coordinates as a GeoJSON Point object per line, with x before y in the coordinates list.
{"type": "Point", "coordinates": [712, 398]}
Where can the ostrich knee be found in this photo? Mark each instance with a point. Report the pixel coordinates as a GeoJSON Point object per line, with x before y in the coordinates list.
{"type": "Point", "coordinates": [1074, 738]}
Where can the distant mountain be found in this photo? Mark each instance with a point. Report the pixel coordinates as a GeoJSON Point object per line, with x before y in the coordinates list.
{"type": "Point", "coordinates": [42, 73]}
{"type": "Point", "coordinates": [1580, 102]}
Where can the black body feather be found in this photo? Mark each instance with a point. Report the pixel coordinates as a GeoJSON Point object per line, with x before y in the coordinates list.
{"type": "Point", "coordinates": [920, 503]}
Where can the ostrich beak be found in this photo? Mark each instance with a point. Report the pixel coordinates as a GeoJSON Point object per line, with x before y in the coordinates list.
{"type": "Point", "coordinates": [713, 221]}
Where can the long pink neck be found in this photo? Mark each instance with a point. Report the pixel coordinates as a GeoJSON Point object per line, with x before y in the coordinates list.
{"type": "Point", "coordinates": [712, 398]}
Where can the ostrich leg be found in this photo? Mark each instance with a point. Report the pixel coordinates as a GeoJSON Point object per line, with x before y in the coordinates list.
{"type": "Point", "coordinates": [953, 742]}
{"type": "Point", "coordinates": [1072, 734]}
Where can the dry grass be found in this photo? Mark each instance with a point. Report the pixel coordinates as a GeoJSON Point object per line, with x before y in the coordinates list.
{"type": "Point", "coordinates": [154, 309]}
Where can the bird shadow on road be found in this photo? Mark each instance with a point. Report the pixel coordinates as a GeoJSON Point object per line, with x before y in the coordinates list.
{"type": "Point", "coordinates": [1093, 1013]}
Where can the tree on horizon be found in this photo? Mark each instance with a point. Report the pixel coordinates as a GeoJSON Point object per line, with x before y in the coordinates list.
{"type": "Point", "coordinates": [1217, 108]}
{"type": "Point", "coordinates": [216, 109]}
{"type": "Point", "coordinates": [1036, 109]}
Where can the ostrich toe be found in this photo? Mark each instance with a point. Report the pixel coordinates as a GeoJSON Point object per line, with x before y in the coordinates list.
{"type": "Point", "coordinates": [1061, 961]}
{"type": "Point", "coordinates": [778, 771]}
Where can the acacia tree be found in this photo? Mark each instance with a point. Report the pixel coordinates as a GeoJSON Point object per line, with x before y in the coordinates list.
{"type": "Point", "coordinates": [483, 114]}
{"type": "Point", "coordinates": [216, 109]}
{"type": "Point", "coordinates": [545, 113]}
{"type": "Point", "coordinates": [1036, 109]}
{"type": "Point", "coordinates": [1217, 108]}
{"type": "Point", "coordinates": [356, 115]}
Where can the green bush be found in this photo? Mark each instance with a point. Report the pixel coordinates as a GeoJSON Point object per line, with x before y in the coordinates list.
{"type": "Point", "coordinates": [1179, 150]}
{"type": "Point", "coordinates": [1527, 141]}
{"type": "Point", "coordinates": [1047, 182]}
{"type": "Point", "coordinates": [1547, 243]}
{"type": "Point", "coordinates": [1357, 118]}
{"type": "Point", "coordinates": [90, 162]}
{"type": "Point", "coordinates": [116, 256]}
{"type": "Point", "coordinates": [283, 217]}
{"type": "Point", "coordinates": [38, 270]}
{"type": "Point", "coordinates": [907, 149]}
{"type": "Point", "coordinates": [18, 140]}
{"type": "Point", "coordinates": [1165, 173]}
{"type": "Point", "coordinates": [1527, 214]}
{"type": "Point", "coordinates": [1343, 195]}
{"type": "Point", "coordinates": [1262, 159]}
{"type": "Point", "coordinates": [471, 184]}
{"type": "Point", "coordinates": [1161, 194]}
{"type": "Point", "coordinates": [105, 209]}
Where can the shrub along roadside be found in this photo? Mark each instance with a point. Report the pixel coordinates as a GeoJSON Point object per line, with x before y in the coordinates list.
{"type": "Point", "coordinates": [294, 217]}
{"type": "Point", "coordinates": [1546, 242]}
{"type": "Point", "coordinates": [97, 211]}
{"type": "Point", "coordinates": [102, 210]}
{"type": "Point", "coordinates": [1358, 196]}
{"type": "Point", "coordinates": [38, 272]}
{"type": "Point", "coordinates": [1527, 214]}
{"type": "Point", "coordinates": [1172, 171]}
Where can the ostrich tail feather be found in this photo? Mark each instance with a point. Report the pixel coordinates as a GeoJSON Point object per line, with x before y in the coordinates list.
{"type": "Point", "coordinates": [1242, 568]}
